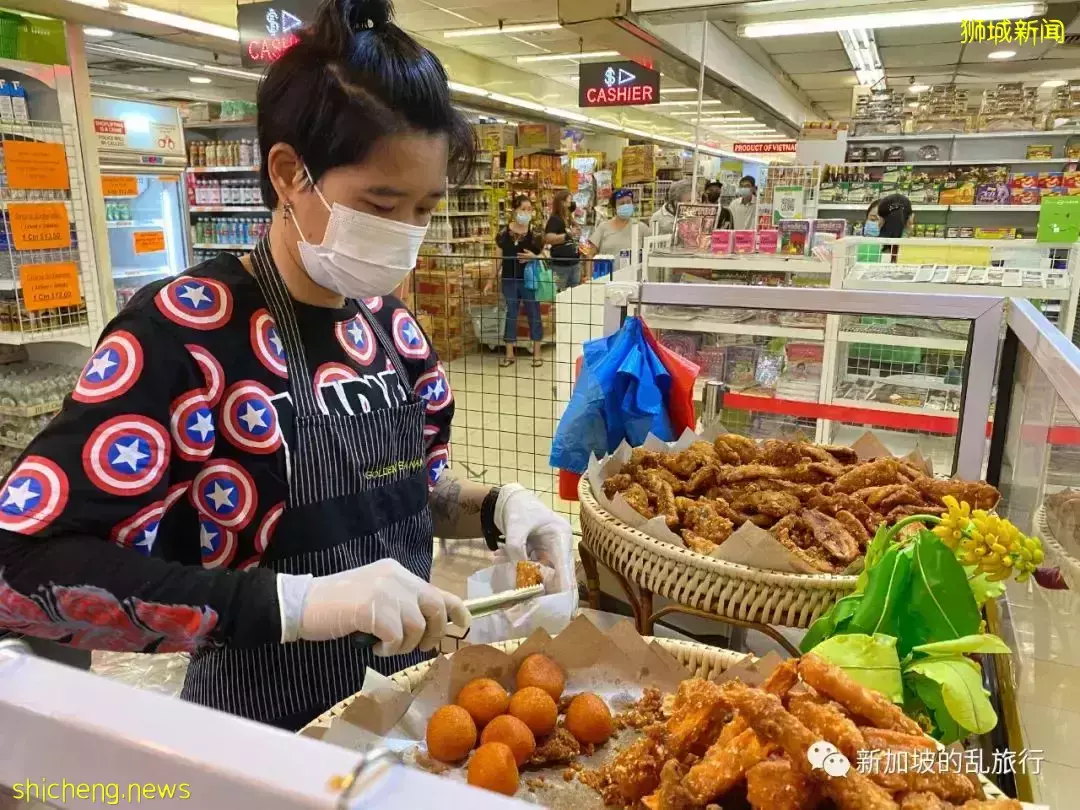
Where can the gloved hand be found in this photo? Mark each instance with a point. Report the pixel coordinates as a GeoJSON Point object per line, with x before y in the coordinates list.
{"type": "Point", "coordinates": [534, 532]}
{"type": "Point", "coordinates": [383, 598]}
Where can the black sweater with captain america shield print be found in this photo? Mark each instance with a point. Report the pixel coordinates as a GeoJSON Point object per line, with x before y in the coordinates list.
{"type": "Point", "coordinates": [137, 518]}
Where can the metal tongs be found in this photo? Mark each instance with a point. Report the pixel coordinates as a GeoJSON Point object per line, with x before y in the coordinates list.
{"type": "Point", "coordinates": [478, 608]}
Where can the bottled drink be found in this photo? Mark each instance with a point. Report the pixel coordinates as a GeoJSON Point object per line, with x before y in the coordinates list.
{"type": "Point", "coordinates": [7, 111]}
{"type": "Point", "coordinates": [20, 103]}
{"type": "Point", "coordinates": [245, 152]}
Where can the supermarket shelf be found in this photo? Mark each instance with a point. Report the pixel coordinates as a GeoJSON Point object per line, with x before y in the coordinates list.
{"type": "Point", "coordinates": [890, 408]}
{"type": "Point", "coordinates": [130, 223]}
{"type": "Point", "coordinates": [137, 272]}
{"type": "Point", "coordinates": [4, 203]}
{"type": "Point", "coordinates": [878, 339]}
{"type": "Point", "coordinates": [246, 123]}
{"type": "Point", "coordinates": [949, 136]}
{"type": "Point", "coordinates": [222, 246]}
{"type": "Point", "coordinates": [979, 162]}
{"type": "Point", "coordinates": [656, 321]}
{"type": "Point", "coordinates": [749, 263]}
{"type": "Point", "coordinates": [1038, 293]}
{"type": "Point", "coordinates": [228, 209]}
{"type": "Point", "coordinates": [221, 169]}
{"type": "Point", "coordinates": [462, 214]}
{"type": "Point", "coordinates": [31, 130]}
{"type": "Point", "coordinates": [932, 207]}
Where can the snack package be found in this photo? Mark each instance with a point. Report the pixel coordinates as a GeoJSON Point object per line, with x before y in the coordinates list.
{"type": "Point", "coordinates": [1040, 151]}
{"type": "Point", "coordinates": [794, 236]}
{"type": "Point", "coordinates": [744, 241]}
{"type": "Point", "coordinates": [992, 194]}
{"type": "Point", "coordinates": [1025, 196]}
{"type": "Point", "coordinates": [723, 242]}
{"type": "Point", "coordinates": [768, 241]}
{"type": "Point", "coordinates": [995, 233]}
{"type": "Point", "coordinates": [1051, 183]}
{"type": "Point", "coordinates": [740, 365]}
{"type": "Point", "coordinates": [1024, 180]}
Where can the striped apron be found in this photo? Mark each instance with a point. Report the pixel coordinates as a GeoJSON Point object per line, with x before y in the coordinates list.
{"type": "Point", "coordinates": [357, 494]}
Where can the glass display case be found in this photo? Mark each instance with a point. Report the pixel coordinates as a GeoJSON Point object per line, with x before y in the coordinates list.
{"type": "Point", "coordinates": [142, 170]}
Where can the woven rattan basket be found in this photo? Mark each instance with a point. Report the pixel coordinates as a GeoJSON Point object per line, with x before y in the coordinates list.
{"type": "Point", "coordinates": [700, 660]}
{"type": "Point", "coordinates": [725, 589]}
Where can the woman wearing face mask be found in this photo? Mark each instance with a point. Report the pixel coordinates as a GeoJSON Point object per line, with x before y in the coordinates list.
{"type": "Point", "coordinates": [872, 226]}
{"type": "Point", "coordinates": [662, 223]}
{"type": "Point", "coordinates": [612, 236]}
{"type": "Point", "coordinates": [519, 245]}
{"type": "Point", "coordinates": [561, 234]}
{"type": "Point", "coordinates": [254, 460]}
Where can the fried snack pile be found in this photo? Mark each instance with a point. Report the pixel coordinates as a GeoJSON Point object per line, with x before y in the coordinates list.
{"type": "Point", "coordinates": [820, 501]}
{"type": "Point", "coordinates": [775, 748]}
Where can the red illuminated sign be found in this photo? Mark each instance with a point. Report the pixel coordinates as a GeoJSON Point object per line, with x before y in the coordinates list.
{"type": "Point", "coordinates": [267, 30]}
{"type": "Point", "coordinates": [617, 84]}
{"type": "Point", "coordinates": [768, 147]}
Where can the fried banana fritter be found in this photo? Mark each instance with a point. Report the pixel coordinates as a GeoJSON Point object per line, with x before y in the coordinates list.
{"type": "Point", "coordinates": [854, 526]}
{"type": "Point", "coordinates": [830, 535]}
{"type": "Point", "coordinates": [776, 784]}
{"type": "Point", "coordinates": [853, 696]}
{"type": "Point", "coordinates": [875, 473]}
{"type": "Point", "coordinates": [695, 542]}
{"type": "Point", "coordinates": [617, 483]}
{"type": "Point", "coordinates": [773, 504]}
{"type": "Point", "coordinates": [977, 493]}
{"type": "Point", "coordinates": [782, 454]}
{"type": "Point", "coordinates": [905, 496]}
{"type": "Point", "coordinates": [746, 448]}
{"type": "Point", "coordinates": [638, 499]}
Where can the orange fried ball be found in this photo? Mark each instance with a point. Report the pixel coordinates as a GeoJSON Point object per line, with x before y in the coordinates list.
{"type": "Point", "coordinates": [451, 734]}
{"type": "Point", "coordinates": [492, 767]}
{"type": "Point", "coordinates": [539, 670]}
{"type": "Point", "coordinates": [589, 719]}
{"type": "Point", "coordinates": [515, 734]}
{"type": "Point", "coordinates": [535, 708]}
{"type": "Point", "coordinates": [484, 699]}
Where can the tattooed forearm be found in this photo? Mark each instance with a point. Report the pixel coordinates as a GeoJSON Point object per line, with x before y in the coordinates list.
{"type": "Point", "coordinates": [455, 506]}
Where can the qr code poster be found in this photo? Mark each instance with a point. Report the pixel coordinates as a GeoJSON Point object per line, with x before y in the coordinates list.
{"type": "Point", "coordinates": [789, 202]}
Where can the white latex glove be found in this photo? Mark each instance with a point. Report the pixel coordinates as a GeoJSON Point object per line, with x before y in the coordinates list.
{"type": "Point", "coordinates": [534, 532]}
{"type": "Point", "coordinates": [383, 598]}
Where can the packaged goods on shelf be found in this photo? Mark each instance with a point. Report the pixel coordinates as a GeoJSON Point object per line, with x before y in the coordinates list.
{"type": "Point", "coordinates": [794, 236]}
{"type": "Point", "coordinates": [768, 241]}
{"type": "Point", "coordinates": [638, 163]}
{"type": "Point", "coordinates": [29, 389]}
{"type": "Point", "coordinates": [495, 137]}
{"type": "Point", "coordinates": [539, 136]}
{"type": "Point", "coordinates": [1010, 107]}
{"type": "Point", "coordinates": [694, 224]}
{"type": "Point", "coordinates": [240, 153]}
{"type": "Point", "coordinates": [942, 108]}
{"type": "Point", "coordinates": [879, 112]}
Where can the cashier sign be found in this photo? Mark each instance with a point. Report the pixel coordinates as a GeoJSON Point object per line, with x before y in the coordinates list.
{"type": "Point", "coordinates": [617, 84]}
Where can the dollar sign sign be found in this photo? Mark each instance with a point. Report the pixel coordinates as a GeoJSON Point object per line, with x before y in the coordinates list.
{"type": "Point", "coordinates": [609, 77]}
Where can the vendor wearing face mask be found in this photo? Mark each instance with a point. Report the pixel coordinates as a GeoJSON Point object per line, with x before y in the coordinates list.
{"type": "Point", "coordinates": [254, 460]}
{"type": "Point", "coordinates": [612, 236]}
{"type": "Point", "coordinates": [713, 192]}
{"type": "Point", "coordinates": [744, 208]}
{"type": "Point", "coordinates": [872, 226]}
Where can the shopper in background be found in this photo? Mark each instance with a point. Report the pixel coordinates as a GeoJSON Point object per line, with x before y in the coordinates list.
{"type": "Point", "coordinates": [519, 245]}
{"type": "Point", "coordinates": [662, 222]}
{"type": "Point", "coordinates": [561, 235]}
{"type": "Point", "coordinates": [744, 208]}
{"type": "Point", "coordinates": [712, 193]}
{"type": "Point", "coordinates": [896, 215]}
{"type": "Point", "coordinates": [254, 460]}
{"type": "Point", "coordinates": [872, 226]}
{"type": "Point", "coordinates": [612, 236]}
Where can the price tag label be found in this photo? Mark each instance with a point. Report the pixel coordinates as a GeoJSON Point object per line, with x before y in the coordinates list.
{"type": "Point", "coordinates": [45, 286]}
{"type": "Point", "coordinates": [119, 185]}
{"type": "Point", "coordinates": [36, 166]}
{"type": "Point", "coordinates": [39, 226]}
{"type": "Point", "coordinates": [148, 241]}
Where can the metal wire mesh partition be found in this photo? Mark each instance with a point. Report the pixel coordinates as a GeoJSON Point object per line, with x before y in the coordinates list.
{"type": "Point", "coordinates": [506, 412]}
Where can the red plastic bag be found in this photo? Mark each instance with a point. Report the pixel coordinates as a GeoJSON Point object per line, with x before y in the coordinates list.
{"type": "Point", "coordinates": [684, 374]}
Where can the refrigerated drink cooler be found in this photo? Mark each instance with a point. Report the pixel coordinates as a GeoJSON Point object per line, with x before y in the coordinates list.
{"type": "Point", "coordinates": [142, 176]}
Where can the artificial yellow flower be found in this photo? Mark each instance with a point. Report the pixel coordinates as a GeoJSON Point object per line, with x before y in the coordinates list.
{"type": "Point", "coordinates": [954, 523]}
{"type": "Point", "coordinates": [995, 546]}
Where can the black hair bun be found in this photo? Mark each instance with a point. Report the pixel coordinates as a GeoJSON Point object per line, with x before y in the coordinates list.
{"type": "Point", "coordinates": [360, 15]}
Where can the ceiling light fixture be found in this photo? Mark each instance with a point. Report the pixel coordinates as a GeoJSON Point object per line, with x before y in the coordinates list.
{"type": "Point", "coordinates": [918, 88]}
{"type": "Point", "coordinates": [517, 102]}
{"type": "Point", "coordinates": [138, 56]}
{"type": "Point", "coordinates": [1054, 83]}
{"type": "Point", "coordinates": [458, 87]}
{"type": "Point", "coordinates": [893, 19]}
{"type": "Point", "coordinates": [1001, 55]}
{"type": "Point", "coordinates": [673, 90]}
{"type": "Point", "coordinates": [235, 73]}
{"type": "Point", "coordinates": [131, 88]}
{"type": "Point", "coordinates": [708, 102]}
{"type": "Point", "coordinates": [97, 32]}
{"type": "Point", "coordinates": [179, 21]}
{"type": "Point", "coordinates": [517, 28]}
{"type": "Point", "coordinates": [199, 79]}
{"type": "Point", "coordinates": [862, 52]}
{"type": "Point", "coordinates": [555, 57]}
{"type": "Point", "coordinates": [739, 120]}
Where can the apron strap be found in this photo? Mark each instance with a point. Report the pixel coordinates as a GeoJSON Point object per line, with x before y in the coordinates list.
{"type": "Point", "coordinates": [386, 343]}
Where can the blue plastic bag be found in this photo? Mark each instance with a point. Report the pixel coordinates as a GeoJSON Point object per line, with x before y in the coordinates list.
{"type": "Point", "coordinates": [620, 394]}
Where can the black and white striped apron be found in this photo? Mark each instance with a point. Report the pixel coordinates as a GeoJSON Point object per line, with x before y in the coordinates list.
{"type": "Point", "coordinates": [357, 494]}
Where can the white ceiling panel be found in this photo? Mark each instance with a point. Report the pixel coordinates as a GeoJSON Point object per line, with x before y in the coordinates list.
{"type": "Point", "coordinates": [825, 60]}
{"type": "Point", "coordinates": [922, 35]}
{"type": "Point", "coordinates": [824, 81]}
{"type": "Point", "coordinates": [804, 44]}
{"type": "Point", "coordinates": [843, 94]}
{"type": "Point", "coordinates": [911, 56]}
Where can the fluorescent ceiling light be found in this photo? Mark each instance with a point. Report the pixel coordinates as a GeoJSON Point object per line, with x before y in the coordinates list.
{"type": "Point", "coordinates": [520, 28]}
{"type": "Point", "coordinates": [93, 3]}
{"type": "Point", "coordinates": [1001, 55]}
{"type": "Point", "coordinates": [598, 122]}
{"type": "Point", "coordinates": [1054, 83]}
{"type": "Point", "coordinates": [199, 79]}
{"type": "Point", "coordinates": [918, 88]}
{"type": "Point", "coordinates": [132, 88]}
{"type": "Point", "coordinates": [862, 52]}
{"type": "Point", "coordinates": [673, 90]}
{"type": "Point", "coordinates": [236, 73]}
{"type": "Point", "coordinates": [711, 120]}
{"type": "Point", "coordinates": [517, 102]}
{"type": "Point", "coordinates": [893, 19]}
{"type": "Point", "coordinates": [705, 103]}
{"type": "Point", "coordinates": [97, 32]}
{"type": "Point", "coordinates": [458, 87]}
{"type": "Point", "coordinates": [567, 114]}
{"type": "Point", "coordinates": [181, 21]}
{"type": "Point", "coordinates": [555, 57]}
{"type": "Point", "coordinates": [139, 56]}
{"type": "Point", "coordinates": [706, 112]}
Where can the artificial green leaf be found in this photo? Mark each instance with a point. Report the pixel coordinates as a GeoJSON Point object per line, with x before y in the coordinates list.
{"type": "Point", "coordinates": [940, 605]}
{"type": "Point", "coordinates": [981, 587]}
{"type": "Point", "coordinates": [874, 552]}
{"type": "Point", "coordinates": [980, 643]}
{"type": "Point", "coordinates": [870, 660]}
{"type": "Point", "coordinates": [928, 695]}
{"type": "Point", "coordinates": [830, 622]}
{"type": "Point", "coordinates": [961, 691]}
{"type": "Point", "coordinates": [883, 605]}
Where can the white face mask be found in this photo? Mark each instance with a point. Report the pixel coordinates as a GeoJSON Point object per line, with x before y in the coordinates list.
{"type": "Point", "coordinates": [361, 255]}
